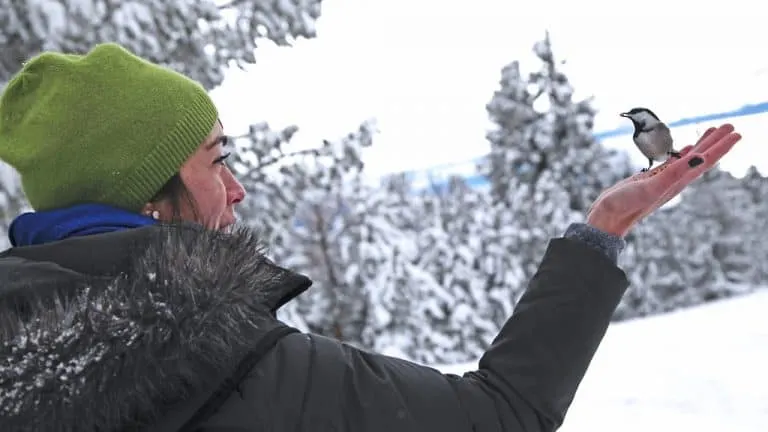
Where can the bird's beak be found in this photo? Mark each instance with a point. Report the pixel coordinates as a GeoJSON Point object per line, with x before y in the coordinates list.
{"type": "Point", "coordinates": [624, 114]}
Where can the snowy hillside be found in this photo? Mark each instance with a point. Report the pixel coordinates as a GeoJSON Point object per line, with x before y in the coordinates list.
{"type": "Point", "coordinates": [703, 369]}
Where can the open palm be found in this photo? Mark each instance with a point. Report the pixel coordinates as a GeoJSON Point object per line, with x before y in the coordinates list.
{"type": "Point", "coordinates": [627, 202]}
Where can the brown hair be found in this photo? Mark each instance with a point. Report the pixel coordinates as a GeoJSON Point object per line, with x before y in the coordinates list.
{"type": "Point", "coordinates": [174, 191]}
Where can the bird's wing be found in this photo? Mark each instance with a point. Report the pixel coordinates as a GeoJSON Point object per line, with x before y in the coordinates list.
{"type": "Point", "coordinates": [667, 134]}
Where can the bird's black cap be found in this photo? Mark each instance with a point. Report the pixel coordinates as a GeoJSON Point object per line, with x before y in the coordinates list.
{"type": "Point", "coordinates": [638, 110]}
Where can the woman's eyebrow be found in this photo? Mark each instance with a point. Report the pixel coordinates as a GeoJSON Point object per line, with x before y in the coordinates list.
{"type": "Point", "coordinates": [221, 139]}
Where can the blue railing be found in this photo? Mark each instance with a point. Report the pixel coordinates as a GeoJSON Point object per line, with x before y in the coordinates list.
{"type": "Point", "coordinates": [477, 180]}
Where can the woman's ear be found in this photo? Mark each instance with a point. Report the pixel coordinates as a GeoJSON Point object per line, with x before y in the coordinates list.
{"type": "Point", "coordinates": [150, 211]}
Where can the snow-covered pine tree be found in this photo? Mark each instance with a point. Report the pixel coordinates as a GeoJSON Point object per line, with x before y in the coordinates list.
{"type": "Point", "coordinates": [322, 217]}
{"type": "Point", "coordinates": [757, 186]}
{"type": "Point", "coordinates": [466, 308]}
{"type": "Point", "coordinates": [541, 213]}
{"type": "Point", "coordinates": [511, 170]}
{"type": "Point", "coordinates": [669, 262]}
{"type": "Point", "coordinates": [578, 162]}
{"type": "Point", "coordinates": [695, 251]}
{"type": "Point", "coordinates": [299, 201]}
{"type": "Point", "coordinates": [544, 167]}
{"type": "Point", "coordinates": [405, 297]}
{"type": "Point", "coordinates": [257, 161]}
{"type": "Point", "coordinates": [511, 158]}
{"type": "Point", "coordinates": [541, 128]}
{"type": "Point", "coordinates": [725, 206]}
{"type": "Point", "coordinates": [650, 261]}
{"type": "Point", "coordinates": [198, 38]}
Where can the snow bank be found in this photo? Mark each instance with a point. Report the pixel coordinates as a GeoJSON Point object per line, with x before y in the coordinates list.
{"type": "Point", "coordinates": [700, 369]}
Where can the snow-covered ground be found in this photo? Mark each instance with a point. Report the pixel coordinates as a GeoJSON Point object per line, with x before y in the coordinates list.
{"type": "Point", "coordinates": [703, 369]}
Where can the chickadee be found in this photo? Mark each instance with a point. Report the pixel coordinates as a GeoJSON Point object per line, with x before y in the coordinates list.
{"type": "Point", "coordinates": [651, 136]}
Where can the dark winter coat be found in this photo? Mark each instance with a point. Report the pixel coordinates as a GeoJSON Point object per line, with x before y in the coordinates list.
{"type": "Point", "coordinates": [118, 331]}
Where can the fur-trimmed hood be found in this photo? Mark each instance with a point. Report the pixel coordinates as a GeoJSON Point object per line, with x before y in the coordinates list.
{"type": "Point", "coordinates": [85, 353]}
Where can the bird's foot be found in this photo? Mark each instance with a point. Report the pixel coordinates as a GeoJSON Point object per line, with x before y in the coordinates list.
{"type": "Point", "coordinates": [675, 154]}
{"type": "Point", "coordinates": [644, 170]}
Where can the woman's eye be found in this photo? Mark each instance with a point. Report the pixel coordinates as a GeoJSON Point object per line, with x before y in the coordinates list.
{"type": "Point", "coordinates": [221, 159]}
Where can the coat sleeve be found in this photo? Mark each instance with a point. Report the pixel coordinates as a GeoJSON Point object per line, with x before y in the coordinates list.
{"type": "Point", "coordinates": [525, 381]}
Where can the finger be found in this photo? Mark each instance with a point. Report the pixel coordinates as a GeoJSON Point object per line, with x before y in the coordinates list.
{"type": "Point", "coordinates": [713, 137]}
{"type": "Point", "coordinates": [667, 180]}
{"type": "Point", "coordinates": [716, 152]}
{"type": "Point", "coordinates": [685, 151]}
{"type": "Point", "coordinates": [705, 135]}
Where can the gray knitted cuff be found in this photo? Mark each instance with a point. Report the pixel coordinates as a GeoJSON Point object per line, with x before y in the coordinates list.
{"type": "Point", "coordinates": [608, 244]}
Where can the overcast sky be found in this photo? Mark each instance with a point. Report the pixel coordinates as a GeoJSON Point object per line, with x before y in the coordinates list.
{"type": "Point", "coordinates": [426, 68]}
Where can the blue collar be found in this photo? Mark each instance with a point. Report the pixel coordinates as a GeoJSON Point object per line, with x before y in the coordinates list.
{"type": "Point", "coordinates": [80, 220]}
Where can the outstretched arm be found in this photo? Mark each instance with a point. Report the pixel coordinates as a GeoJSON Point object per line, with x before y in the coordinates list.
{"type": "Point", "coordinates": [525, 381]}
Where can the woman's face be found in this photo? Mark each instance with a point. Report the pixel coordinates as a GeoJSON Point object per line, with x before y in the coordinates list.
{"type": "Point", "coordinates": [212, 187]}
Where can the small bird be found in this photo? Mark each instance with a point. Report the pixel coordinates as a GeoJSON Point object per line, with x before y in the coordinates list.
{"type": "Point", "coordinates": [651, 136]}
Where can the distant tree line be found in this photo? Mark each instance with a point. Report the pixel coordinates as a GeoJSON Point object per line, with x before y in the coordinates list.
{"type": "Point", "coordinates": [427, 274]}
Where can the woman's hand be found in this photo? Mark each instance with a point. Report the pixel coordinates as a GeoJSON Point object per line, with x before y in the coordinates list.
{"type": "Point", "coordinates": [627, 202]}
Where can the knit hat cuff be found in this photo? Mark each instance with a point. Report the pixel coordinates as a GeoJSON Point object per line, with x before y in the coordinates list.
{"type": "Point", "coordinates": [167, 157]}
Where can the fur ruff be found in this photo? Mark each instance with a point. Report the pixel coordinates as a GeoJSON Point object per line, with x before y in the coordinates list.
{"type": "Point", "coordinates": [107, 354]}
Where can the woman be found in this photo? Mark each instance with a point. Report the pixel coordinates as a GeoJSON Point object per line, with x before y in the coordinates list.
{"type": "Point", "coordinates": [113, 319]}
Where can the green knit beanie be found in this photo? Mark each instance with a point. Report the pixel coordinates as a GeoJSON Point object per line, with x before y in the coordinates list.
{"type": "Point", "coordinates": [106, 127]}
